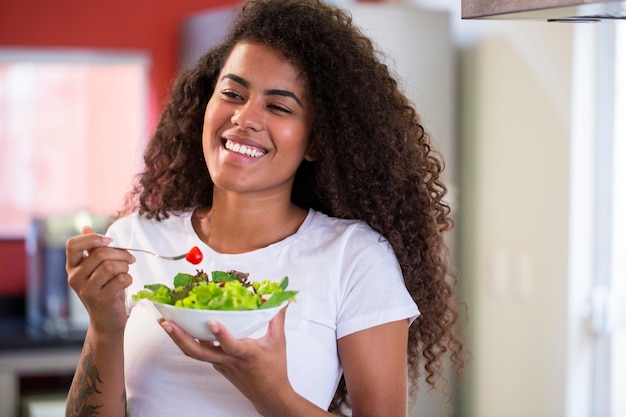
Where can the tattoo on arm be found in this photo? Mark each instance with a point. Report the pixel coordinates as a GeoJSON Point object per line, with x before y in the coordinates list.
{"type": "Point", "coordinates": [80, 402]}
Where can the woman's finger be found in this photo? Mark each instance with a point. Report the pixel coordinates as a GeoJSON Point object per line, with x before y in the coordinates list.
{"type": "Point", "coordinates": [76, 246]}
{"type": "Point", "coordinates": [229, 344]}
{"type": "Point", "coordinates": [206, 350]}
{"type": "Point", "coordinates": [107, 277]}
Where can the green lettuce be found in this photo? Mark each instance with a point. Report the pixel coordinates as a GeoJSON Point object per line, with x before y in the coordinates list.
{"type": "Point", "coordinates": [223, 291]}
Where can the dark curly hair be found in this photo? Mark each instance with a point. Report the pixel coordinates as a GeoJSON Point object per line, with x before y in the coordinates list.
{"type": "Point", "coordinates": [375, 162]}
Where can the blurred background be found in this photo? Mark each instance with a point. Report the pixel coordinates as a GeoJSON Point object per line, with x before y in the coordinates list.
{"type": "Point", "coordinates": [524, 110]}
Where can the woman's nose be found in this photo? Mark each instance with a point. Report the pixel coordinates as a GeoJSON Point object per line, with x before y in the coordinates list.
{"type": "Point", "coordinates": [248, 117]}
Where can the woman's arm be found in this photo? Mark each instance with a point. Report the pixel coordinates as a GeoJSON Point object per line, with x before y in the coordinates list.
{"type": "Point", "coordinates": [99, 276]}
{"type": "Point", "coordinates": [375, 368]}
{"type": "Point", "coordinates": [98, 385]}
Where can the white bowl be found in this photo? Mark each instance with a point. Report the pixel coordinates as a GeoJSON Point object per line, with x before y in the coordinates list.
{"type": "Point", "coordinates": [240, 323]}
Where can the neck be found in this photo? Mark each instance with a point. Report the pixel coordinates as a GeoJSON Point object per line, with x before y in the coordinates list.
{"type": "Point", "coordinates": [236, 224]}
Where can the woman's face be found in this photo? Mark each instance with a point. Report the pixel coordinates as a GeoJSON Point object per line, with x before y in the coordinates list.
{"type": "Point", "coordinates": [257, 123]}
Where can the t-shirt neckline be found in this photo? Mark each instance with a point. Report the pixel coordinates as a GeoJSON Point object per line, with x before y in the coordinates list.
{"type": "Point", "coordinates": [209, 251]}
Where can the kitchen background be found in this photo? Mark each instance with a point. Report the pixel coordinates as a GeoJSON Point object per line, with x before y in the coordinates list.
{"type": "Point", "coordinates": [524, 111]}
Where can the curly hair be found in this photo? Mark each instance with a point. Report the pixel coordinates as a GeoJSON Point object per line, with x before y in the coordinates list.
{"type": "Point", "coordinates": [375, 161]}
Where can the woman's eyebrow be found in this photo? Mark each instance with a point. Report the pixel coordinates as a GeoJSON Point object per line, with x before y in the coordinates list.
{"type": "Point", "coordinates": [270, 92]}
{"type": "Point", "coordinates": [284, 93]}
{"type": "Point", "coordinates": [237, 79]}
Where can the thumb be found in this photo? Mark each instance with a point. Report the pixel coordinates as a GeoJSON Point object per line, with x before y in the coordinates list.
{"type": "Point", "coordinates": [276, 329]}
{"type": "Point", "coordinates": [86, 230]}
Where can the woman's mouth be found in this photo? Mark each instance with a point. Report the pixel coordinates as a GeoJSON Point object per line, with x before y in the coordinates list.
{"type": "Point", "coordinates": [247, 150]}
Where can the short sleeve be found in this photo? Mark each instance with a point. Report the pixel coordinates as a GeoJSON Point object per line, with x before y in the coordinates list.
{"type": "Point", "coordinates": [373, 289]}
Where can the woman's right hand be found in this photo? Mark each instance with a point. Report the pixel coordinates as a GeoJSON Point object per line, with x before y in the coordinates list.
{"type": "Point", "coordinates": [99, 276]}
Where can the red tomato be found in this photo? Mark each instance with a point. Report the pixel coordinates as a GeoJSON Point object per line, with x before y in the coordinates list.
{"type": "Point", "coordinates": [194, 255]}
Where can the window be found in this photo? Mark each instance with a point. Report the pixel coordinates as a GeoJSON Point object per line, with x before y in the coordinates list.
{"type": "Point", "coordinates": [597, 293]}
{"type": "Point", "coordinates": [72, 127]}
{"type": "Point", "coordinates": [618, 244]}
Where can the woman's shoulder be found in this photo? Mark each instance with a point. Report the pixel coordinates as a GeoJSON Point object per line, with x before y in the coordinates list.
{"type": "Point", "coordinates": [348, 228]}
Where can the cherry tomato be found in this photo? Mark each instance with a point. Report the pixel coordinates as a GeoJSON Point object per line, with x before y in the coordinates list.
{"type": "Point", "coordinates": [194, 255]}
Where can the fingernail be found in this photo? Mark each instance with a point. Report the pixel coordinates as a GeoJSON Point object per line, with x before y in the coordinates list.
{"type": "Point", "coordinates": [166, 326]}
{"type": "Point", "coordinates": [132, 258]}
{"type": "Point", "coordinates": [214, 327]}
{"type": "Point", "coordinates": [107, 239]}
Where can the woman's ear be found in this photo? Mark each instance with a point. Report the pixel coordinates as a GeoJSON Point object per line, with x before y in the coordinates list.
{"type": "Point", "coordinates": [311, 153]}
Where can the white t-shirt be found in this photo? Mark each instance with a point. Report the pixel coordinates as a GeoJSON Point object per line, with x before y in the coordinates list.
{"type": "Point", "coordinates": [348, 280]}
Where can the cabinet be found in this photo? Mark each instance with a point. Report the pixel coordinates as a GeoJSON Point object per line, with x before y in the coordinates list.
{"type": "Point", "coordinates": [544, 9]}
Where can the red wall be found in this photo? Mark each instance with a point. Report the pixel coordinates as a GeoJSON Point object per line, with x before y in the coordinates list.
{"type": "Point", "coordinates": [12, 267]}
{"type": "Point", "coordinates": [148, 25]}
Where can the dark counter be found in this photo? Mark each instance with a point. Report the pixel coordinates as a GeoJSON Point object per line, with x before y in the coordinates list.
{"type": "Point", "coordinates": [15, 334]}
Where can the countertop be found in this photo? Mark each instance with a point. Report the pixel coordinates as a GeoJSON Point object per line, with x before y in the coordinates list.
{"type": "Point", "coordinates": [16, 335]}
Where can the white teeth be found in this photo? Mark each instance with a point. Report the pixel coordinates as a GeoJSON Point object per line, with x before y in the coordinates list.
{"type": "Point", "coordinates": [243, 149]}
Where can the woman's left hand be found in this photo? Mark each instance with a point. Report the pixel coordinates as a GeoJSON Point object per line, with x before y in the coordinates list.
{"type": "Point", "coordinates": [256, 367]}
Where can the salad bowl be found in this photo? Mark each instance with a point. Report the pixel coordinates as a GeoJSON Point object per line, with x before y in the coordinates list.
{"type": "Point", "coordinates": [226, 297]}
{"type": "Point", "coordinates": [240, 323]}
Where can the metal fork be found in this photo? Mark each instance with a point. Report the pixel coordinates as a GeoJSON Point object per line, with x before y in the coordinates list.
{"type": "Point", "coordinates": [169, 258]}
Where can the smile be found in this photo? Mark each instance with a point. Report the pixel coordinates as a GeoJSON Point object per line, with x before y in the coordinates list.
{"type": "Point", "coordinates": [244, 149]}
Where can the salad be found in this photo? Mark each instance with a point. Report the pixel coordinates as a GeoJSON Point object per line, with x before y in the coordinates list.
{"type": "Point", "coordinates": [223, 290]}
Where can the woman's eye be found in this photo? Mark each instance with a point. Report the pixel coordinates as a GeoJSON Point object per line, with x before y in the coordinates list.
{"type": "Point", "coordinates": [231, 94]}
{"type": "Point", "coordinates": [279, 108]}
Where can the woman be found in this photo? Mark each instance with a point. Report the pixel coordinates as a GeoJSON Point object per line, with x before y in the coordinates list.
{"type": "Point", "coordinates": [287, 150]}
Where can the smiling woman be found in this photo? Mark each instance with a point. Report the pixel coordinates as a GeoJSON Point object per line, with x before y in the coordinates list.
{"type": "Point", "coordinates": [338, 187]}
{"type": "Point", "coordinates": [71, 130]}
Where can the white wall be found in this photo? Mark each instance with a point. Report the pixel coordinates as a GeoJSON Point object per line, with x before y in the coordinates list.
{"type": "Point", "coordinates": [514, 145]}
{"type": "Point", "coordinates": [515, 194]}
